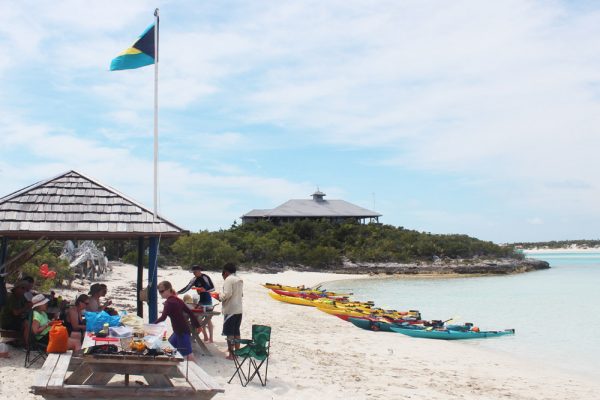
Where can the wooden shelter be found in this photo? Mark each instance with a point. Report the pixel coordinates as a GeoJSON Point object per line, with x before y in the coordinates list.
{"type": "Point", "coordinates": [73, 206]}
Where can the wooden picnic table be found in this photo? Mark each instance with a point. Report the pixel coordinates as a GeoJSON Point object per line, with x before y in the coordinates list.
{"type": "Point", "coordinates": [203, 316]}
{"type": "Point", "coordinates": [99, 376]}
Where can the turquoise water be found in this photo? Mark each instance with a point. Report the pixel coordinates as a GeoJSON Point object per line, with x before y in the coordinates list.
{"type": "Point", "coordinates": [556, 312]}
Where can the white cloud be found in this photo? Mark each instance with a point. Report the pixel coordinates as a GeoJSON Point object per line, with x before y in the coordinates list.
{"type": "Point", "coordinates": [199, 200]}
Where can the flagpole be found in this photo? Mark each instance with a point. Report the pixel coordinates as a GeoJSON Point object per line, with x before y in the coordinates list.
{"type": "Point", "coordinates": [156, 113]}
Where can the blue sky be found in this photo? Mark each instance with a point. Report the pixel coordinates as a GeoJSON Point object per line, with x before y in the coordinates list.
{"type": "Point", "coordinates": [472, 117]}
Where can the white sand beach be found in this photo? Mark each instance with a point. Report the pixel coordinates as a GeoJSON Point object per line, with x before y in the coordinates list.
{"type": "Point", "coordinates": [581, 250]}
{"type": "Point", "coordinates": [315, 355]}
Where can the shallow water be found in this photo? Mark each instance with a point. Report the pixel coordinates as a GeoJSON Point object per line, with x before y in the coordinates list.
{"type": "Point", "coordinates": [555, 312]}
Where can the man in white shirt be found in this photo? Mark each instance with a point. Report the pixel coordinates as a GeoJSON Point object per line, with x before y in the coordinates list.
{"type": "Point", "coordinates": [231, 299]}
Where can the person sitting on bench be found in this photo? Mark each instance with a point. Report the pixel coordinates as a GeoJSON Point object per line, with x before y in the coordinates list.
{"type": "Point", "coordinates": [14, 313]}
{"type": "Point", "coordinates": [74, 317]}
{"type": "Point", "coordinates": [40, 325]}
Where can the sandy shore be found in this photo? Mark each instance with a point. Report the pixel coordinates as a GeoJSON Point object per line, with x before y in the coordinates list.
{"type": "Point", "coordinates": [315, 355]}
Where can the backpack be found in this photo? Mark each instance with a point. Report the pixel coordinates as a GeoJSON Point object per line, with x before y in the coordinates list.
{"type": "Point", "coordinates": [58, 338]}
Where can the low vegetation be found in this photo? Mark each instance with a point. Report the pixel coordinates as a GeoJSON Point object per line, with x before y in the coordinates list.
{"type": "Point", "coordinates": [317, 244]}
{"type": "Point", "coordinates": [321, 244]}
{"type": "Point", "coordinates": [30, 264]}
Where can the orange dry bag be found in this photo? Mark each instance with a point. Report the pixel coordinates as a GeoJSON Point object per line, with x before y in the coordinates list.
{"type": "Point", "coordinates": [58, 338]}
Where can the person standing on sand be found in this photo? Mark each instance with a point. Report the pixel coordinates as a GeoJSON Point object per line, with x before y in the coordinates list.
{"type": "Point", "coordinates": [202, 281]}
{"type": "Point", "coordinates": [175, 309]}
{"type": "Point", "coordinates": [231, 298]}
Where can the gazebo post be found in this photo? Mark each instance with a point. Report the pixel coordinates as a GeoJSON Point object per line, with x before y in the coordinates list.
{"type": "Point", "coordinates": [152, 278]}
{"type": "Point", "coordinates": [3, 253]}
{"type": "Point", "coordinates": [140, 276]}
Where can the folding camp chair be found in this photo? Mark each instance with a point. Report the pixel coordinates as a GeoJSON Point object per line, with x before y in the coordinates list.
{"type": "Point", "coordinates": [256, 352]}
{"type": "Point", "coordinates": [34, 350]}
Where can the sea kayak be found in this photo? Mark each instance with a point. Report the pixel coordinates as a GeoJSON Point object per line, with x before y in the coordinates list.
{"type": "Point", "coordinates": [371, 324]}
{"type": "Point", "coordinates": [449, 334]}
{"type": "Point", "coordinates": [293, 300]}
{"type": "Point", "coordinates": [302, 289]}
{"type": "Point", "coordinates": [310, 295]}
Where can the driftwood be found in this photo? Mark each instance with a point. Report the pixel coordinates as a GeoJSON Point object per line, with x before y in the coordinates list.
{"type": "Point", "coordinates": [87, 260]}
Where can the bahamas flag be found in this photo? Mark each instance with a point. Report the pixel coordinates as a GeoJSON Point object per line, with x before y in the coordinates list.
{"type": "Point", "coordinates": [140, 54]}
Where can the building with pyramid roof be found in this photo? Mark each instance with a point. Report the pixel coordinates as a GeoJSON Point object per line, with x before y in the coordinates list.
{"type": "Point", "coordinates": [316, 208]}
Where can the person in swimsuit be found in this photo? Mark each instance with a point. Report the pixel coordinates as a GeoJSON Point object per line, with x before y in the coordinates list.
{"type": "Point", "coordinates": [74, 318]}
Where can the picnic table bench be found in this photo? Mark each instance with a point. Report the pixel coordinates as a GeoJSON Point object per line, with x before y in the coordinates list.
{"type": "Point", "coordinates": [7, 336]}
{"type": "Point", "coordinates": [92, 376]}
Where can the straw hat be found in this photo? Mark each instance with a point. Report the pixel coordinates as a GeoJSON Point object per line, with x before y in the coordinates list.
{"type": "Point", "coordinates": [38, 300]}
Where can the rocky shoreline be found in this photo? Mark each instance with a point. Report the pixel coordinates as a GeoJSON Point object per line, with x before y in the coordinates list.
{"type": "Point", "coordinates": [502, 266]}
{"type": "Point", "coordinates": [461, 267]}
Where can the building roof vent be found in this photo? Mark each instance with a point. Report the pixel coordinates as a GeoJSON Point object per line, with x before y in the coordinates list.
{"type": "Point", "coordinates": [318, 195]}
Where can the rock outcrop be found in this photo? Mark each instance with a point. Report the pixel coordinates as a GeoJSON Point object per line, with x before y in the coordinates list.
{"type": "Point", "coordinates": [442, 267]}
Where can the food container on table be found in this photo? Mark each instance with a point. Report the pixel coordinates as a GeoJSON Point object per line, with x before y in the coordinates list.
{"type": "Point", "coordinates": [154, 329]}
{"type": "Point", "coordinates": [137, 345]}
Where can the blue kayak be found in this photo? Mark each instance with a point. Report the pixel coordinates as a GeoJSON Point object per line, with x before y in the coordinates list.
{"type": "Point", "coordinates": [384, 326]}
{"type": "Point", "coordinates": [450, 334]}
{"type": "Point", "coordinates": [372, 325]}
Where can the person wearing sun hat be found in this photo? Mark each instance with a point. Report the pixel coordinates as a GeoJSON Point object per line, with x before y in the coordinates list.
{"type": "Point", "coordinates": [40, 324]}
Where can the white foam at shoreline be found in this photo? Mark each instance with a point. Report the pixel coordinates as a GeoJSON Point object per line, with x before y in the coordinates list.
{"type": "Point", "coordinates": [563, 250]}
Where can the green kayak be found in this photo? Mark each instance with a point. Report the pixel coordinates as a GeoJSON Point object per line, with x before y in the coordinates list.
{"type": "Point", "coordinates": [448, 334]}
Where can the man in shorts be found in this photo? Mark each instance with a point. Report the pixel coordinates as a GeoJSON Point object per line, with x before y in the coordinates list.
{"type": "Point", "coordinates": [231, 299]}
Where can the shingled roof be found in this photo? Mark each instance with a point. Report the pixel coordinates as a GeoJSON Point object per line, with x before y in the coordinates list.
{"type": "Point", "coordinates": [318, 207]}
{"type": "Point", "coordinates": [74, 206]}
{"type": "Point", "coordinates": [324, 208]}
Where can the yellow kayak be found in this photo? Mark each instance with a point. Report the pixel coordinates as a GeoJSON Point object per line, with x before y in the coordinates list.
{"type": "Point", "coordinates": [293, 300]}
{"type": "Point", "coordinates": [342, 312]}
{"type": "Point", "coordinates": [358, 308]}
{"type": "Point", "coordinates": [302, 289]}
{"type": "Point", "coordinates": [286, 288]}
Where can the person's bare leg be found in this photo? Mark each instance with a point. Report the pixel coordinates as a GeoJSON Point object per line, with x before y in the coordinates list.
{"type": "Point", "coordinates": [25, 332]}
{"type": "Point", "coordinates": [229, 347]}
{"type": "Point", "coordinates": [73, 344]}
{"type": "Point", "coordinates": [237, 344]}
{"type": "Point", "coordinates": [76, 336]}
{"type": "Point", "coordinates": [204, 335]}
{"type": "Point", "coordinates": [210, 331]}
